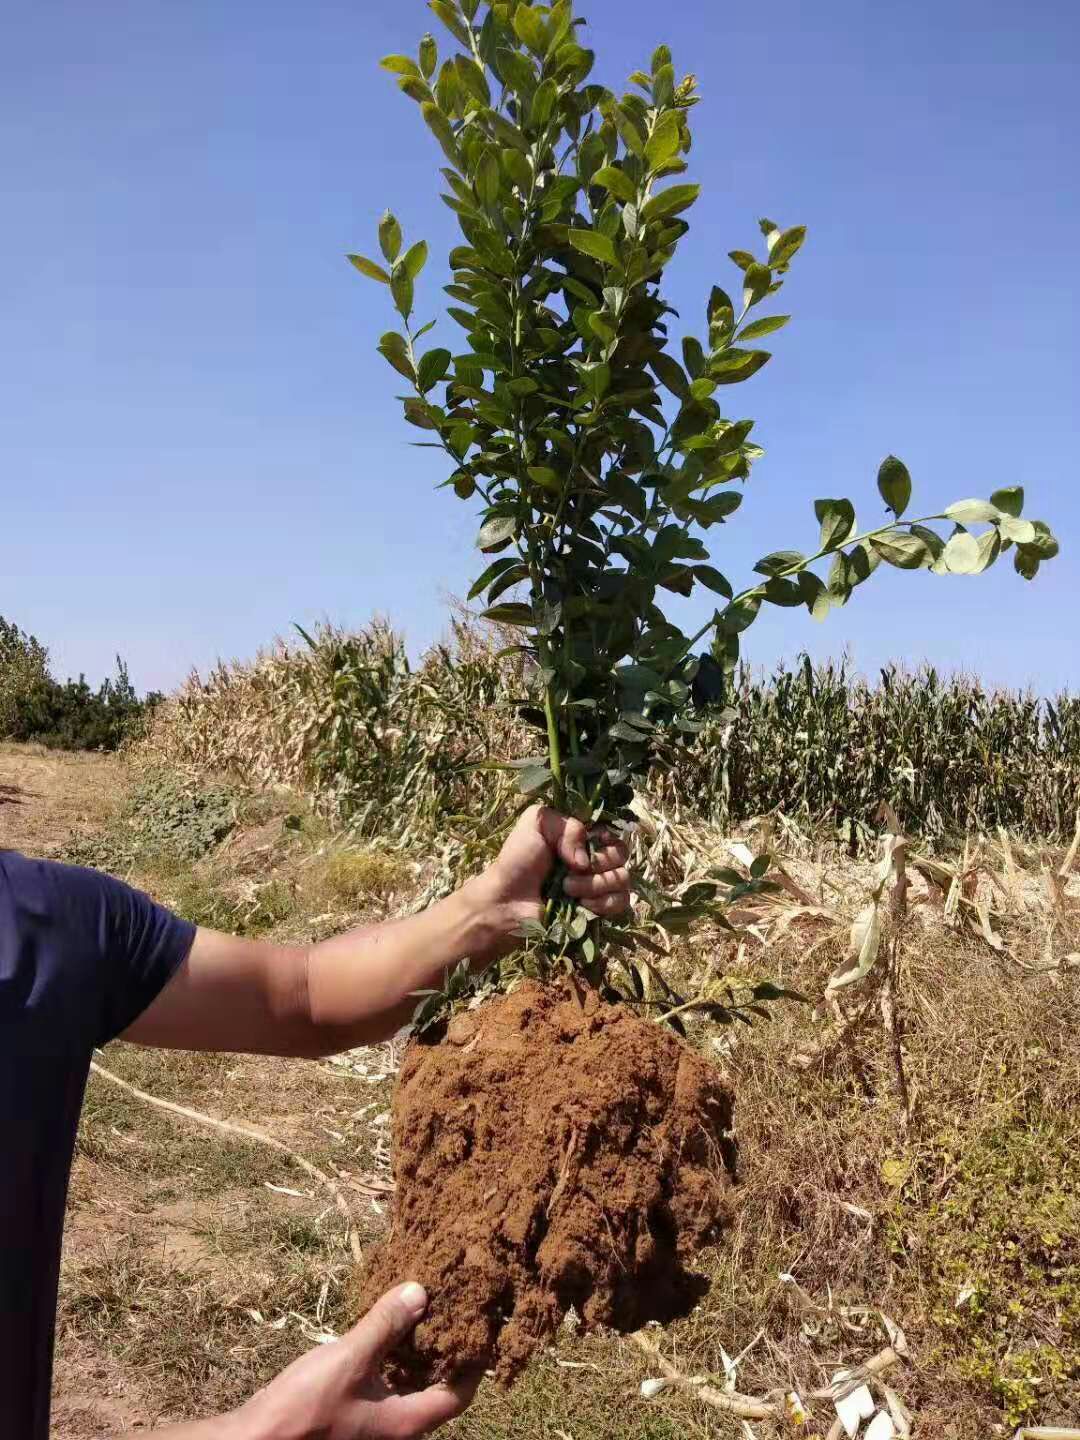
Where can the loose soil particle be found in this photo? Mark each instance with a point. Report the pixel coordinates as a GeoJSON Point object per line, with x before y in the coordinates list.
{"type": "Point", "coordinates": [551, 1151]}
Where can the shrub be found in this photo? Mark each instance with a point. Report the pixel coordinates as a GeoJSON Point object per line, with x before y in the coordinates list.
{"type": "Point", "coordinates": [72, 716]}
{"type": "Point", "coordinates": [605, 464]}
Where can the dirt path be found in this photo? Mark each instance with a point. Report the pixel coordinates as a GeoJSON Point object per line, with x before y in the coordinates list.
{"type": "Point", "coordinates": [47, 794]}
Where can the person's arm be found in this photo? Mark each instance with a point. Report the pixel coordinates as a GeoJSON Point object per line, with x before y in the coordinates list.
{"type": "Point", "coordinates": [335, 1391]}
{"type": "Point", "coordinates": [361, 987]}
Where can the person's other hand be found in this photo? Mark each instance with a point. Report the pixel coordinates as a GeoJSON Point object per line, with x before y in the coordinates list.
{"type": "Point", "coordinates": [510, 890]}
{"type": "Point", "coordinates": [336, 1392]}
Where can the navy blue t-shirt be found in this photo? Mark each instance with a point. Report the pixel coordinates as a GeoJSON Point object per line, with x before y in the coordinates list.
{"type": "Point", "coordinates": [81, 957]}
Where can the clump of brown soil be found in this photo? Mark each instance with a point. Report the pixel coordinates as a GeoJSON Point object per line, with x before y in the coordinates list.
{"type": "Point", "coordinates": [550, 1151]}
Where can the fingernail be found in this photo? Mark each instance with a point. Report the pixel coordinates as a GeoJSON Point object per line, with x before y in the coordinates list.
{"type": "Point", "coordinates": [414, 1296]}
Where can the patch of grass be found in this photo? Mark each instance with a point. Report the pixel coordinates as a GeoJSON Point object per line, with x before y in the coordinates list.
{"type": "Point", "coordinates": [357, 878]}
{"type": "Point", "coordinates": [131, 1136]}
{"type": "Point", "coordinates": [189, 1335]}
{"type": "Point", "coordinates": [597, 1402]}
{"type": "Point", "coordinates": [252, 909]}
{"type": "Point", "coordinates": [998, 1245]}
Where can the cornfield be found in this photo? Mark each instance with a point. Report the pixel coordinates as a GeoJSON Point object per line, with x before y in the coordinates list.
{"type": "Point", "coordinates": [413, 752]}
{"type": "Point", "coordinates": [950, 756]}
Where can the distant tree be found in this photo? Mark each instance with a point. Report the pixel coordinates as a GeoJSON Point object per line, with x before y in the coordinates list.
{"type": "Point", "coordinates": [69, 716]}
{"type": "Point", "coordinates": [24, 663]}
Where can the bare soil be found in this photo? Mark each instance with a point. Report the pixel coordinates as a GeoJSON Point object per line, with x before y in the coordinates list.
{"type": "Point", "coordinates": [552, 1153]}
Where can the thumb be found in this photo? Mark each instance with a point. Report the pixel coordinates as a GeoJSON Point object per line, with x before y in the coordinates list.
{"type": "Point", "coordinates": [427, 1410]}
{"type": "Point", "coordinates": [388, 1321]}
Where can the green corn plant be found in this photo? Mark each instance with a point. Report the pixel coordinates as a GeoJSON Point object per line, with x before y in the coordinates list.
{"type": "Point", "coordinates": [603, 457]}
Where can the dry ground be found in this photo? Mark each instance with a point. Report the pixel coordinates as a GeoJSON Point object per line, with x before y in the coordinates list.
{"type": "Point", "coordinates": [197, 1265]}
{"type": "Point", "coordinates": [46, 794]}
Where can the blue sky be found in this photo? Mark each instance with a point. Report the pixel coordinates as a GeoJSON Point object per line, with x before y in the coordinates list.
{"type": "Point", "coordinates": [199, 445]}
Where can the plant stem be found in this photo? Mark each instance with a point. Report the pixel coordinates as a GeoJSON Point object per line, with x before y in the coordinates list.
{"type": "Point", "coordinates": [554, 751]}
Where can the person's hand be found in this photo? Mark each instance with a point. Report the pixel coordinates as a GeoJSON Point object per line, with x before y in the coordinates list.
{"type": "Point", "coordinates": [510, 890]}
{"type": "Point", "coordinates": [336, 1392]}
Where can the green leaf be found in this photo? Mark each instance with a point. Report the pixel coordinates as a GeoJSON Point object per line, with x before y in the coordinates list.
{"type": "Point", "coordinates": [543, 104]}
{"type": "Point", "coordinates": [597, 378]}
{"type": "Point", "coordinates": [622, 731]}
{"type": "Point", "coordinates": [1010, 500]}
{"type": "Point", "coordinates": [839, 583]}
{"type": "Point", "coordinates": [785, 247]}
{"type": "Point", "coordinates": [962, 555]}
{"type": "Point", "coordinates": [545, 477]}
{"type": "Point", "coordinates": [676, 919]}
{"type": "Point", "coordinates": [639, 677]}
{"type": "Point", "coordinates": [433, 366]}
{"type": "Point", "coordinates": [693, 356]}
{"type": "Point", "coordinates": [452, 20]}
{"type": "Point", "coordinates": [1020, 532]}
{"type": "Point", "coordinates": [510, 613]}
{"type": "Point", "coordinates": [756, 282]}
{"type": "Point", "coordinates": [389, 237]}
{"type": "Point", "coordinates": [630, 128]}
{"type": "Point", "coordinates": [894, 484]}
{"type": "Point", "coordinates": [400, 65]}
{"type": "Point", "coordinates": [731, 367]}
{"type": "Point", "coordinates": [664, 86]}
{"type": "Point", "coordinates": [837, 519]}
{"type": "Point", "coordinates": [590, 156]}
{"type": "Point", "coordinates": [497, 532]}
{"type": "Point", "coordinates": [713, 580]}
{"type": "Point", "coordinates": [488, 179]}
{"type": "Point", "coordinates": [416, 412]}
{"type": "Point", "coordinates": [517, 71]}
{"type": "Point", "coordinates": [392, 346]}
{"type": "Point", "coordinates": [506, 581]}
{"type": "Point", "coordinates": [530, 28]}
{"type": "Point", "coordinates": [905, 551]}
{"type": "Point", "coordinates": [779, 561]}
{"type": "Point", "coordinates": [533, 779]}
{"type": "Point", "coordinates": [369, 268]}
{"type": "Point", "coordinates": [601, 326]}
{"type": "Point", "coordinates": [783, 592]}
{"type": "Point", "coordinates": [1044, 544]}
{"type": "Point", "coordinates": [440, 127]}
{"type": "Point", "coordinates": [765, 326]}
{"type": "Point", "coordinates": [617, 181]}
{"type": "Point", "coordinates": [670, 202]}
{"type": "Point", "coordinates": [739, 615]}
{"type": "Point", "coordinates": [670, 373]}
{"type": "Point", "coordinates": [665, 141]}
{"type": "Point", "coordinates": [473, 81]}
{"type": "Point", "coordinates": [1026, 562]}
{"type": "Point", "coordinates": [493, 571]}
{"type": "Point", "coordinates": [970, 512]}
{"type": "Point", "coordinates": [401, 287]}
{"type": "Point", "coordinates": [593, 243]}
{"type": "Point", "coordinates": [415, 88]}
{"type": "Point", "coordinates": [429, 56]}
{"type": "Point", "coordinates": [815, 594]}
{"type": "Point", "coordinates": [414, 259]}
{"type": "Point", "coordinates": [989, 543]}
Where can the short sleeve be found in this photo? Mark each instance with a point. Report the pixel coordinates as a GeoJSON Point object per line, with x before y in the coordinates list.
{"type": "Point", "coordinates": [82, 955]}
